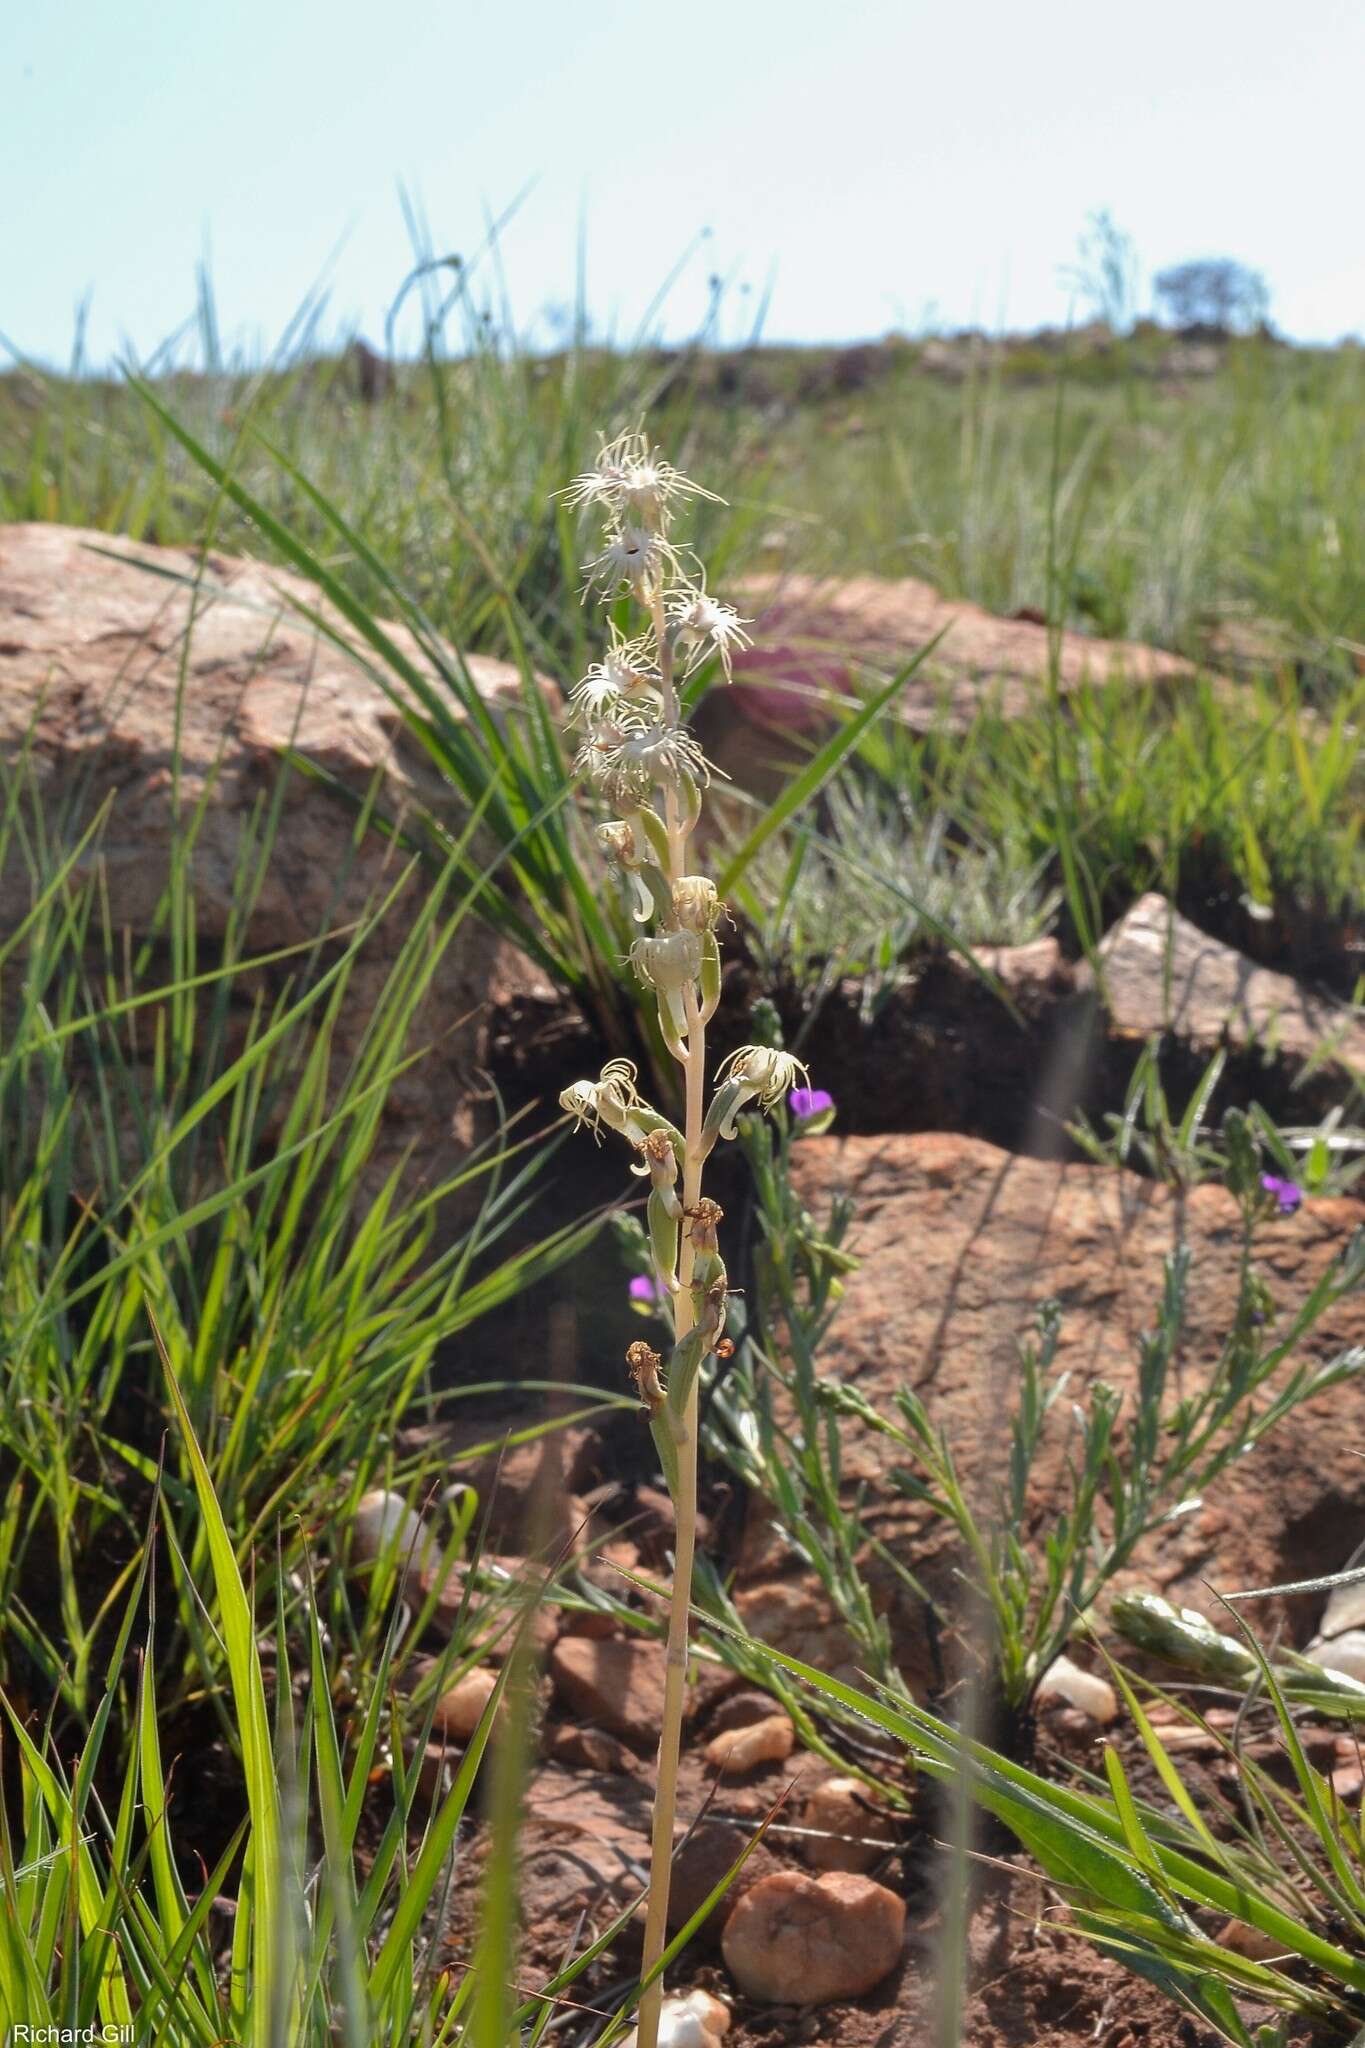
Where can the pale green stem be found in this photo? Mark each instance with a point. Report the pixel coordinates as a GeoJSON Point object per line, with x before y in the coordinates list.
{"type": "Point", "coordinates": [685, 1502]}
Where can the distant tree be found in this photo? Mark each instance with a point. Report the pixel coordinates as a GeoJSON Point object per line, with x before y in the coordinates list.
{"type": "Point", "coordinates": [1213, 291]}
{"type": "Point", "coordinates": [1105, 274]}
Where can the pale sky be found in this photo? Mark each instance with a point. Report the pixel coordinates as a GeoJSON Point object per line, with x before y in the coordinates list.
{"type": "Point", "coordinates": [865, 166]}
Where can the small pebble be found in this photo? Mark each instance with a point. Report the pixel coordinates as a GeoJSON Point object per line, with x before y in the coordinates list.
{"type": "Point", "coordinates": [742, 1709]}
{"type": "Point", "coordinates": [697, 2021]}
{"type": "Point", "coordinates": [1344, 1653]}
{"type": "Point", "coordinates": [769, 1741]}
{"type": "Point", "coordinates": [458, 1712]}
{"type": "Point", "coordinates": [1092, 1694]}
{"type": "Point", "coordinates": [850, 1832]}
{"type": "Point", "coordinates": [813, 1938]}
{"type": "Point", "coordinates": [385, 1526]}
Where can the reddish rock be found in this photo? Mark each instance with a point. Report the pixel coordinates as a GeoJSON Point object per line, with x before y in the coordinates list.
{"type": "Point", "coordinates": [458, 1712]}
{"type": "Point", "coordinates": [1161, 973]}
{"type": "Point", "coordinates": [590, 1749]}
{"type": "Point", "coordinates": [812, 635]}
{"type": "Point", "coordinates": [848, 1831]}
{"type": "Point", "coordinates": [798, 1940]}
{"type": "Point", "coordinates": [960, 1243]}
{"type": "Point", "coordinates": [531, 1491]}
{"type": "Point", "coordinates": [112, 674]}
{"type": "Point", "coordinates": [769, 1741]}
{"type": "Point", "coordinates": [618, 1684]}
{"type": "Point", "coordinates": [742, 1709]}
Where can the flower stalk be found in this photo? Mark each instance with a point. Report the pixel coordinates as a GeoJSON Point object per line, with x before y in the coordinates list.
{"type": "Point", "coordinates": [649, 768]}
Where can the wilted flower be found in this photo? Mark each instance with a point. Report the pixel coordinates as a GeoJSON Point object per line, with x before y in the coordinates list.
{"type": "Point", "coordinates": [764, 1071]}
{"type": "Point", "coordinates": [1287, 1193]}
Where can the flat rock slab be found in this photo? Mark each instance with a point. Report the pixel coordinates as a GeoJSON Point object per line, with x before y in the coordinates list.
{"type": "Point", "coordinates": [117, 659]}
{"type": "Point", "coordinates": [810, 633]}
{"type": "Point", "coordinates": [960, 1243]}
{"type": "Point", "coordinates": [151, 678]}
{"type": "Point", "coordinates": [1161, 973]}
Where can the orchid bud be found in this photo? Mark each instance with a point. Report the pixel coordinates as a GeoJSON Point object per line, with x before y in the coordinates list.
{"type": "Point", "coordinates": [695, 903]}
{"type": "Point", "coordinates": [668, 963]}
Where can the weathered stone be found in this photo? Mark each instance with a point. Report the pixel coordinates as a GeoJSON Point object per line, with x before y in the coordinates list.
{"type": "Point", "coordinates": [498, 1600]}
{"type": "Point", "coordinates": [531, 1491]}
{"type": "Point", "coordinates": [697, 2021]}
{"type": "Point", "coordinates": [458, 1712]}
{"type": "Point", "coordinates": [960, 1243]}
{"type": "Point", "coordinates": [703, 1856]}
{"type": "Point", "coordinates": [1345, 1608]}
{"type": "Point", "coordinates": [385, 1526]}
{"type": "Point", "coordinates": [1092, 1695]}
{"type": "Point", "coordinates": [1344, 1652]}
{"type": "Point", "coordinates": [769, 1741]}
{"type": "Point", "coordinates": [798, 1940]}
{"type": "Point", "coordinates": [742, 1709]}
{"type": "Point", "coordinates": [589, 1749]}
{"type": "Point", "coordinates": [812, 634]}
{"type": "Point", "coordinates": [847, 1830]}
{"type": "Point", "coordinates": [618, 1684]}
{"type": "Point", "coordinates": [585, 1843]}
{"type": "Point", "coordinates": [116, 679]}
{"type": "Point", "coordinates": [1161, 973]}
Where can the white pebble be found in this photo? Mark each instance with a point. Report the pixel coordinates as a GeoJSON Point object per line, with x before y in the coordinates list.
{"type": "Point", "coordinates": [697, 2021]}
{"type": "Point", "coordinates": [385, 1526]}
{"type": "Point", "coordinates": [1344, 1653]}
{"type": "Point", "coordinates": [1094, 1696]}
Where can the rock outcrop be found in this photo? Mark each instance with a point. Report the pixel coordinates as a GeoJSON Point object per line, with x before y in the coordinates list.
{"type": "Point", "coordinates": [161, 683]}
{"type": "Point", "coordinates": [960, 1243]}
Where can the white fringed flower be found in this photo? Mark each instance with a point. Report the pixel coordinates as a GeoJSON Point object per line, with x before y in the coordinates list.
{"type": "Point", "coordinates": [756, 1073]}
{"type": "Point", "coordinates": [633, 555]}
{"type": "Point", "coordinates": [628, 759]}
{"type": "Point", "coordinates": [702, 626]}
{"type": "Point", "coordinates": [631, 478]}
{"type": "Point", "coordinates": [626, 674]}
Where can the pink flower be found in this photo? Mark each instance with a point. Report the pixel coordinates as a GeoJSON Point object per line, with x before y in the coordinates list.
{"type": "Point", "coordinates": [804, 1102]}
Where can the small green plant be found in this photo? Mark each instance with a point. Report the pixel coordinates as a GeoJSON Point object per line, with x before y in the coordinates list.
{"type": "Point", "coordinates": [1128, 1474]}
{"type": "Point", "coordinates": [1144, 1880]}
{"type": "Point", "coordinates": [193, 1137]}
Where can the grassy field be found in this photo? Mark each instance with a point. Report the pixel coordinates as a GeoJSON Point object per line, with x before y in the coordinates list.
{"type": "Point", "coordinates": [211, 1356]}
{"type": "Point", "coordinates": [1218, 514]}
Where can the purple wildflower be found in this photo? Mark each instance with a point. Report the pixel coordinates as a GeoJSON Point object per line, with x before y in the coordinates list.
{"type": "Point", "coordinates": [804, 1102]}
{"type": "Point", "coordinates": [645, 1289]}
{"type": "Point", "coordinates": [1288, 1194]}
